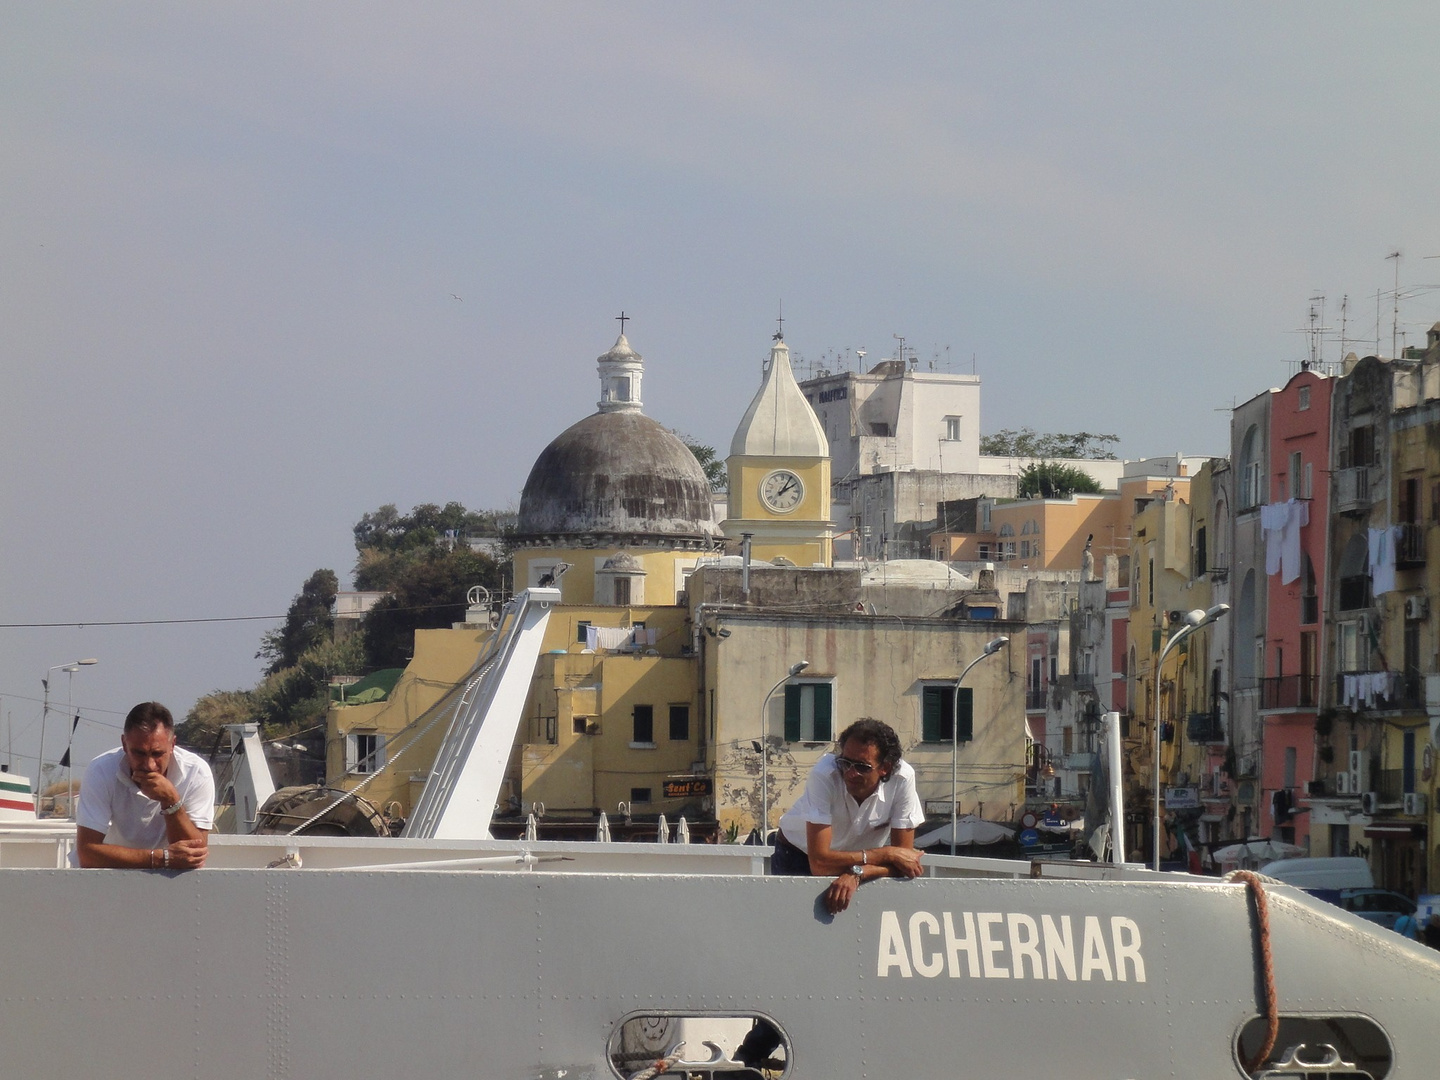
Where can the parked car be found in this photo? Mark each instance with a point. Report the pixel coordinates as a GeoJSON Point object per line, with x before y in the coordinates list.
{"type": "Point", "coordinates": [1378, 905]}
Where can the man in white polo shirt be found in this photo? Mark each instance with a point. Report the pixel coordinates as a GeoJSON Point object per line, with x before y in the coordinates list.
{"type": "Point", "coordinates": [148, 805]}
{"type": "Point", "coordinates": [857, 817]}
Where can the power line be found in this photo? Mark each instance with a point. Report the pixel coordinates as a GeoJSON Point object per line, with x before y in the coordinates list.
{"type": "Point", "coordinates": [178, 622]}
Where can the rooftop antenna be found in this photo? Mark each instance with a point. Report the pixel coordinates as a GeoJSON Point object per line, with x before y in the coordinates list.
{"type": "Point", "coordinates": [1344, 317]}
{"type": "Point", "coordinates": [1317, 318]}
{"type": "Point", "coordinates": [860, 361]}
{"type": "Point", "coordinates": [780, 333]}
{"type": "Point", "coordinates": [1395, 314]}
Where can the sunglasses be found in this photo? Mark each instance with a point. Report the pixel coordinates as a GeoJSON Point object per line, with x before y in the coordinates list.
{"type": "Point", "coordinates": [845, 764]}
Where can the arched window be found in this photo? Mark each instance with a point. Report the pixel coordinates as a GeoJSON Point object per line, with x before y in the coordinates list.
{"type": "Point", "coordinates": [1252, 471]}
{"type": "Point", "coordinates": [1245, 669]}
{"type": "Point", "coordinates": [1007, 529]}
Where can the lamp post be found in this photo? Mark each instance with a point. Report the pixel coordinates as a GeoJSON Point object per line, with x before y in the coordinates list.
{"type": "Point", "coordinates": [795, 669]}
{"type": "Point", "coordinates": [72, 667]}
{"type": "Point", "coordinates": [1194, 620]}
{"type": "Point", "coordinates": [991, 648]}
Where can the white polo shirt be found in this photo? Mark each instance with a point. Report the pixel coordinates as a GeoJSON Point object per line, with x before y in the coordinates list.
{"type": "Point", "coordinates": [111, 803]}
{"type": "Point", "coordinates": [853, 827]}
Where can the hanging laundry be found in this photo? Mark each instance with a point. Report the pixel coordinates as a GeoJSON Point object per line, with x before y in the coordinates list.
{"type": "Point", "coordinates": [613, 637]}
{"type": "Point", "coordinates": [1382, 560]}
{"type": "Point", "coordinates": [592, 637]}
{"type": "Point", "coordinates": [1281, 523]}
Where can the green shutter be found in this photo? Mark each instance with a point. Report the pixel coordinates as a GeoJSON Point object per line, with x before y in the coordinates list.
{"type": "Point", "coordinates": [930, 714]}
{"type": "Point", "coordinates": [965, 706]}
{"type": "Point", "coordinates": [792, 714]}
{"type": "Point", "coordinates": [822, 711]}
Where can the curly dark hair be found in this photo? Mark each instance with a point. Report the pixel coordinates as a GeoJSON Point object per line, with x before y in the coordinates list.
{"type": "Point", "coordinates": [878, 734]}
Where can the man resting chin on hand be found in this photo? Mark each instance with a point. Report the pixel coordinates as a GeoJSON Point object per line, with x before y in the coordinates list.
{"type": "Point", "coordinates": [148, 805]}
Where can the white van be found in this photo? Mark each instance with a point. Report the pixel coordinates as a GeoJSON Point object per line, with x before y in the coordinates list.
{"type": "Point", "coordinates": [1342, 872]}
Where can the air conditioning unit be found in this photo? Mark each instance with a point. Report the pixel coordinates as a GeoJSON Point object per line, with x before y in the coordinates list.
{"type": "Point", "coordinates": [1359, 771]}
{"type": "Point", "coordinates": [1342, 784]}
{"type": "Point", "coordinates": [1417, 607]}
{"type": "Point", "coordinates": [1414, 803]}
{"type": "Point", "coordinates": [1369, 803]}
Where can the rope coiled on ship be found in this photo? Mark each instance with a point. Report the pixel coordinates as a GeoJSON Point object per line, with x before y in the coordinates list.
{"type": "Point", "coordinates": [661, 1065]}
{"type": "Point", "coordinates": [1256, 886]}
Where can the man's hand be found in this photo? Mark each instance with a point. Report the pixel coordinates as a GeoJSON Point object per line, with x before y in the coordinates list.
{"type": "Point", "coordinates": [837, 896]}
{"type": "Point", "coordinates": [903, 862]}
{"type": "Point", "coordinates": [157, 786]}
{"type": "Point", "coordinates": [188, 854]}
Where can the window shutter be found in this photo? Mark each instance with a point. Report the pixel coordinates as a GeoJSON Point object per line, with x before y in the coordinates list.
{"type": "Point", "coordinates": [930, 715]}
{"type": "Point", "coordinates": [349, 753]}
{"type": "Point", "coordinates": [822, 712]}
{"type": "Point", "coordinates": [792, 714]}
{"type": "Point", "coordinates": [965, 721]}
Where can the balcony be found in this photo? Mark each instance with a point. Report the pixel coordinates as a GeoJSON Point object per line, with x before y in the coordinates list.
{"type": "Point", "coordinates": [1204, 727]}
{"type": "Point", "coordinates": [1380, 691]}
{"type": "Point", "coordinates": [1036, 698]}
{"type": "Point", "coordinates": [1352, 490]}
{"type": "Point", "coordinates": [1289, 692]}
{"type": "Point", "coordinates": [1409, 545]}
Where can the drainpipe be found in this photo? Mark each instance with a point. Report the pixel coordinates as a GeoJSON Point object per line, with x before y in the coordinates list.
{"type": "Point", "coordinates": [745, 539]}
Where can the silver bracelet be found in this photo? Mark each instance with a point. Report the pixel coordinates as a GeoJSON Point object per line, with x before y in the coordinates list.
{"type": "Point", "coordinates": [167, 858]}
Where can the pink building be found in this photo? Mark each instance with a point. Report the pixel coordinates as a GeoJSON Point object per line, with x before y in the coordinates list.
{"type": "Point", "coordinates": [1293, 522]}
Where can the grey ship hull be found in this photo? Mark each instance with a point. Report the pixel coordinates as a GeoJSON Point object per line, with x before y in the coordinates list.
{"type": "Point", "coordinates": [477, 973]}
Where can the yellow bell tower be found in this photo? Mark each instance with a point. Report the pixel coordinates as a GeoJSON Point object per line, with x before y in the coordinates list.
{"type": "Point", "coordinates": [779, 472]}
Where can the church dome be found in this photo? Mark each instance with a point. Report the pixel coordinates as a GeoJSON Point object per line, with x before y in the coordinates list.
{"type": "Point", "coordinates": [617, 476]}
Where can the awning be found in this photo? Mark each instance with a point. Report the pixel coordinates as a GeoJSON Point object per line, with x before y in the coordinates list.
{"type": "Point", "coordinates": [1394, 830]}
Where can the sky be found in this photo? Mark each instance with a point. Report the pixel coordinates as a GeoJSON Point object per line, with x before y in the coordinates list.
{"type": "Point", "coordinates": [269, 266]}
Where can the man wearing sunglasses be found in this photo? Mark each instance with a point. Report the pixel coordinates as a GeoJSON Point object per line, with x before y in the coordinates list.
{"type": "Point", "coordinates": [856, 819]}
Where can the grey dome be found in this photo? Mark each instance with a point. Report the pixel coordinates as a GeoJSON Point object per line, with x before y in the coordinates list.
{"type": "Point", "coordinates": [617, 475]}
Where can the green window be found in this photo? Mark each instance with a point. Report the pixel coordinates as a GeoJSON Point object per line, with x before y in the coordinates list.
{"type": "Point", "coordinates": [937, 718]}
{"type": "Point", "coordinates": [807, 712]}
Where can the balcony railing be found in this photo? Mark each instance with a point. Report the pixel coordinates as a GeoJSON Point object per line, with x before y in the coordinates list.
{"type": "Point", "coordinates": [1352, 490]}
{"type": "Point", "coordinates": [1409, 545]}
{"type": "Point", "coordinates": [1289, 692]}
{"type": "Point", "coordinates": [1389, 784]}
{"type": "Point", "coordinates": [1035, 699]}
{"type": "Point", "coordinates": [1380, 690]}
{"type": "Point", "coordinates": [1204, 727]}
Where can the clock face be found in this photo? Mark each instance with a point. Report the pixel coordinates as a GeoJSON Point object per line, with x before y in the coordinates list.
{"type": "Point", "coordinates": [782, 491]}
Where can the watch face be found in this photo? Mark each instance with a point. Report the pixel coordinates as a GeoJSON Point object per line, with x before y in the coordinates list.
{"type": "Point", "coordinates": [782, 491]}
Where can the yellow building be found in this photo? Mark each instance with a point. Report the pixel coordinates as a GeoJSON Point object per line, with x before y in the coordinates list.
{"type": "Point", "coordinates": [779, 472]}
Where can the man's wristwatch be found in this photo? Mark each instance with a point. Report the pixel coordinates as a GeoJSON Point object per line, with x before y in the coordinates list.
{"type": "Point", "coordinates": [859, 871]}
{"type": "Point", "coordinates": [173, 808]}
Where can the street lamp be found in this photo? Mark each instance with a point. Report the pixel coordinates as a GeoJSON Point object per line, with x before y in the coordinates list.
{"type": "Point", "coordinates": [795, 669]}
{"type": "Point", "coordinates": [72, 667]}
{"type": "Point", "coordinates": [991, 648]}
{"type": "Point", "coordinates": [1193, 620]}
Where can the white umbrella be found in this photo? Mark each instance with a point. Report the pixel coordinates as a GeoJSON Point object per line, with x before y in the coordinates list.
{"type": "Point", "coordinates": [663, 830]}
{"type": "Point", "coordinates": [968, 830]}
{"type": "Point", "coordinates": [602, 831]}
{"type": "Point", "coordinates": [530, 830]}
{"type": "Point", "coordinates": [682, 832]}
{"type": "Point", "coordinates": [1256, 851]}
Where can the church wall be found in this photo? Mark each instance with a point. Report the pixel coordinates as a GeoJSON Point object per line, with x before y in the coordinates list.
{"type": "Point", "coordinates": [665, 571]}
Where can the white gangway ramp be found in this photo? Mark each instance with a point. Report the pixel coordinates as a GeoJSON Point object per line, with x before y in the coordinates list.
{"type": "Point", "coordinates": [464, 784]}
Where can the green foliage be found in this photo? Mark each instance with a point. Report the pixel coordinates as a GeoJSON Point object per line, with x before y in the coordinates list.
{"type": "Point", "coordinates": [1027, 442]}
{"type": "Point", "coordinates": [705, 455]}
{"type": "Point", "coordinates": [209, 715]}
{"type": "Point", "coordinates": [307, 624]}
{"type": "Point", "coordinates": [1053, 480]}
{"type": "Point", "coordinates": [427, 590]}
{"type": "Point", "coordinates": [296, 697]}
{"type": "Point", "coordinates": [387, 539]}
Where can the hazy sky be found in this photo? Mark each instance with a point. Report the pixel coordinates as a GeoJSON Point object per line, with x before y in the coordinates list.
{"type": "Point", "coordinates": [232, 235]}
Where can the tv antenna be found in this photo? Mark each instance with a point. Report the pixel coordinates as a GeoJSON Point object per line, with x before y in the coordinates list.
{"type": "Point", "coordinates": [1395, 313]}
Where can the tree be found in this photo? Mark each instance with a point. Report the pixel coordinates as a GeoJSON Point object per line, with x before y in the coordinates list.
{"type": "Point", "coordinates": [1027, 442]}
{"type": "Point", "coordinates": [1054, 480]}
{"type": "Point", "coordinates": [209, 715]}
{"type": "Point", "coordinates": [386, 541]}
{"type": "Point", "coordinates": [308, 622]}
{"type": "Point", "coordinates": [425, 593]}
{"type": "Point", "coordinates": [705, 455]}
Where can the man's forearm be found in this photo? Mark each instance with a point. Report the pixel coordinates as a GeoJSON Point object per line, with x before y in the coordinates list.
{"type": "Point", "coordinates": [116, 857]}
{"type": "Point", "coordinates": [178, 826]}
